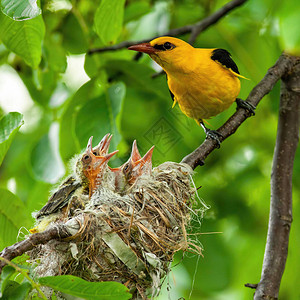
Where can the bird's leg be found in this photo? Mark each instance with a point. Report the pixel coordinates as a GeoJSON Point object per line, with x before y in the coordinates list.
{"type": "Point", "coordinates": [213, 134]}
{"type": "Point", "coordinates": [246, 105]}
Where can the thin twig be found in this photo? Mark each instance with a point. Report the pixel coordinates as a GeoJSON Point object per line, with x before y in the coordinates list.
{"type": "Point", "coordinates": [280, 218]}
{"type": "Point", "coordinates": [195, 29]}
{"type": "Point", "coordinates": [283, 66]}
{"type": "Point", "coordinates": [251, 285]}
{"type": "Point", "coordinates": [212, 19]}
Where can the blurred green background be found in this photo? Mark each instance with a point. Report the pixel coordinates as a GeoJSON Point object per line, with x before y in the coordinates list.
{"type": "Point", "coordinates": [66, 95]}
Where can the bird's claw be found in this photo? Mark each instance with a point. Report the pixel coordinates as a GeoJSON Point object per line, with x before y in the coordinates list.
{"type": "Point", "coordinates": [246, 105]}
{"type": "Point", "coordinates": [214, 135]}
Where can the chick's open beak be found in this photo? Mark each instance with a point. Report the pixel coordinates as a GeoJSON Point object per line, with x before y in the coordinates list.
{"type": "Point", "coordinates": [102, 147]}
{"type": "Point", "coordinates": [135, 154]}
{"type": "Point", "coordinates": [147, 158]}
{"type": "Point", "coordinates": [143, 47]}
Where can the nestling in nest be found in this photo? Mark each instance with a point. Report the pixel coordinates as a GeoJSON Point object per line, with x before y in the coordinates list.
{"type": "Point", "coordinates": [126, 223]}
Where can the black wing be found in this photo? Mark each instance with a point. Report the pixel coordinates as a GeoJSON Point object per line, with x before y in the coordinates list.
{"type": "Point", "coordinates": [224, 58]}
{"type": "Point", "coordinates": [172, 95]}
{"type": "Point", "coordinates": [59, 199]}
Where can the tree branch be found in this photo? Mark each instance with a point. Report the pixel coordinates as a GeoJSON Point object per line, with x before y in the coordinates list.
{"type": "Point", "coordinates": [284, 65]}
{"type": "Point", "coordinates": [19, 248]}
{"type": "Point", "coordinates": [195, 29]}
{"type": "Point", "coordinates": [212, 19]}
{"type": "Point", "coordinates": [280, 218]}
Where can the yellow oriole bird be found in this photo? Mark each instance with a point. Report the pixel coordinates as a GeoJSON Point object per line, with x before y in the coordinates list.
{"type": "Point", "coordinates": [204, 82]}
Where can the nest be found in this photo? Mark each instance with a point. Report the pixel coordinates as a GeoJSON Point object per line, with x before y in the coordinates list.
{"type": "Point", "coordinates": [129, 238]}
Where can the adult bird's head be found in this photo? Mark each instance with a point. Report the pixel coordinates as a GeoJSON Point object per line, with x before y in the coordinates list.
{"type": "Point", "coordinates": [170, 53]}
{"type": "Point", "coordinates": [92, 166]}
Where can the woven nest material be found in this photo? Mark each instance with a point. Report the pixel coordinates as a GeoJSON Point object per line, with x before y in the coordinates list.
{"type": "Point", "coordinates": [128, 238]}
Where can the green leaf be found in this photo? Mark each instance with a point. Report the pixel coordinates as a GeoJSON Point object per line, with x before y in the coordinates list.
{"type": "Point", "coordinates": [74, 38]}
{"type": "Point", "coordinates": [45, 159]}
{"type": "Point", "coordinates": [135, 10]}
{"type": "Point", "coordinates": [23, 38]}
{"type": "Point", "coordinates": [288, 14]}
{"type": "Point", "coordinates": [9, 126]}
{"type": "Point", "coordinates": [55, 53]}
{"type": "Point", "coordinates": [109, 19]}
{"type": "Point", "coordinates": [69, 144]}
{"type": "Point", "coordinates": [12, 217]}
{"type": "Point", "coordinates": [139, 76]}
{"type": "Point", "coordinates": [38, 196]}
{"type": "Point", "coordinates": [76, 286]}
{"type": "Point", "coordinates": [20, 9]}
{"type": "Point", "coordinates": [4, 52]}
{"type": "Point", "coordinates": [41, 83]}
{"type": "Point", "coordinates": [17, 291]}
{"type": "Point", "coordinates": [5, 275]}
{"type": "Point", "coordinates": [290, 38]}
{"type": "Point", "coordinates": [10, 286]}
{"type": "Point", "coordinates": [116, 95]}
{"type": "Point", "coordinates": [101, 116]}
{"type": "Point", "coordinates": [93, 66]}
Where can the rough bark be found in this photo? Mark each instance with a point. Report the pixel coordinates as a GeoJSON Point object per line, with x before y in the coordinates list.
{"type": "Point", "coordinates": [280, 218]}
{"type": "Point", "coordinates": [19, 248]}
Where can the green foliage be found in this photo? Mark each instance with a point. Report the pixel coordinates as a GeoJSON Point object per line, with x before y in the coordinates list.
{"type": "Point", "coordinates": [24, 38]}
{"type": "Point", "coordinates": [101, 115]}
{"type": "Point", "coordinates": [115, 92]}
{"type": "Point", "coordinates": [135, 10]}
{"type": "Point", "coordinates": [288, 15]}
{"type": "Point", "coordinates": [12, 217]}
{"type": "Point", "coordinates": [20, 9]}
{"type": "Point", "coordinates": [16, 291]}
{"type": "Point", "coordinates": [45, 161]}
{"type": "Point", "coordinates": [74, 38]}
{"type": "Point", "coordinates": [67, 284]}
{"type": "Point", "coordinates": [9, 126]}
{"type": "Point", "coordinates": [76, 286]}
{"type": "Point", "coordinates": [7, 272]}
{"type": "Point", "coordinates": [110, 28]}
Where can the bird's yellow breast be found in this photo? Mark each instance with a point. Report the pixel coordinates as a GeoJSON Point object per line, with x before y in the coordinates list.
{"type": "Point", "coordinates": [202, 87]}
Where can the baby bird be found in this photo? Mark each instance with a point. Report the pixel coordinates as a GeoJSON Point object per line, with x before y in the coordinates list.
{"type": "Point", "coordinates": [138, 167]}
{"type": "Point", "coordinates": [126, 175]}
{"type": "Point", "coordinates": [94, 166]}
{"type": "Point", "coordinates": [76, 188]}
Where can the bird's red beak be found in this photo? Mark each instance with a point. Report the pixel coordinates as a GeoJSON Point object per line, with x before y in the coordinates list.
{"type": "Point", "coordinates": [108, 156]}
{"type": "Point", "coordinates": [143, 47]}
{"type": "Point", "coordinates": [102, 147]}
{"type": "Point", "coordinates": [135, 154]}
{"type": "Point", "coordinates": [147, 158]}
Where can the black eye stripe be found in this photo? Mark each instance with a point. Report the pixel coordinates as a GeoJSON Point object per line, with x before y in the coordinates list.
{"type": "Point", "coordinates": [165, 46]}
{"type": "Point", "coordinates": [159, 47]}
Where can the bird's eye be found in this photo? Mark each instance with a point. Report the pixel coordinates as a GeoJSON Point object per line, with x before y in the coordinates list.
{"type": "Point", "coordinates": [126, 168]}
{"type": "Point", "coordinates": [167, 45]}
{"type": "Point", "coordinates": [86, 158]}
{"type": "Point", "coordinates": [95, 153]}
